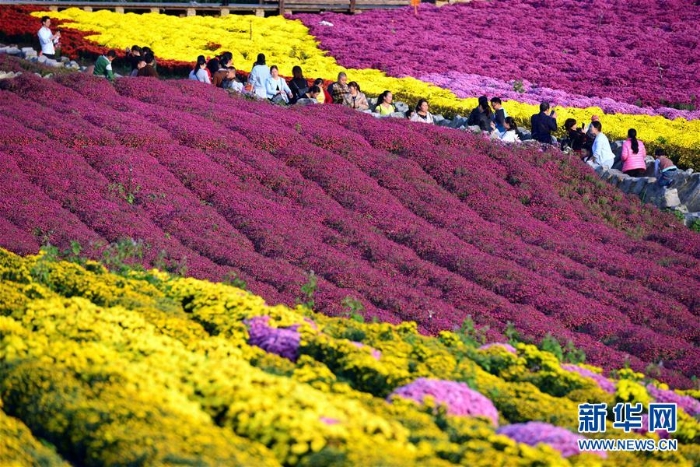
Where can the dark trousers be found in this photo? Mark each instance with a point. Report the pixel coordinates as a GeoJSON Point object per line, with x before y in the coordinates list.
{"type": "Point", "coordinates": [51, 56]}
{"type": "Point", "coordinates": [636, 172]}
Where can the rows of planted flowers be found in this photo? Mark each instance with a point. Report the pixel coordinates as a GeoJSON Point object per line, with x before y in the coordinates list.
{"type": "Point", "coordinates": [633, 98]}
{"type": "Point", "coordinates": [147, 368]}
{"type": "Point", "coordinates": [390, 214]}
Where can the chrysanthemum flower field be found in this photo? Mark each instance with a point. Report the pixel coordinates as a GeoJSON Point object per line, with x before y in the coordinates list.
{"type": "Point", "coordinates": [632, 63]}
{"type": "Point", "coordinates": [329, 289]}
{"type": "Point", "coordinates": [146, 368]}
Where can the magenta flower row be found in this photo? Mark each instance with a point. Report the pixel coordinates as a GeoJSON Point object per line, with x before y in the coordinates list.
{"type": "Point", "coordinates": [418, 223]}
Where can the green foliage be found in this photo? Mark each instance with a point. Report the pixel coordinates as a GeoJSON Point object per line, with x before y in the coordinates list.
{"type": "Point", "coordinates": [354, 309]}
{"type": "Point", "coordinates": [551, 344]}
{"type": "Point", "coordinates": [233, 280]}
{"type": "Point", "coordinates": [518, 86]}
{"type": "Point", "coordinates": [176, 267]}
{"type": "Point", "coordinates": [124, 255]}
{"type": "Point", "coordinates": [308, 290]}
{"type": "Point", "coordinates": [472, 335]}
{"type": "Point", "coordinates": [695, 226]}
{"type": "Point", "coordinates": [511, 333]}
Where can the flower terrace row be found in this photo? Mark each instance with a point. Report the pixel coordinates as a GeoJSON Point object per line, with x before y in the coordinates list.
{"type": "Point", "coordinates": [246, 36]}
{"type": "Point", "coordinates": [147, 367]}
{"type": "Point", "coordinates": [388, 214]}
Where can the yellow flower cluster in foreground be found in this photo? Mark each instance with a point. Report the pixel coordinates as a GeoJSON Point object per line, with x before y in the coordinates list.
{"type": "Point", "coordinates": [287, 43]}
{"type": "Point", "coordinates": [150, 369]}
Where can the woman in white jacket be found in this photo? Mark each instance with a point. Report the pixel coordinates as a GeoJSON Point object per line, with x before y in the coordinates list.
{"type": "Point", "coordinates": [258, 76]}
{"type": "Point", "coordinates": [276, 87]}
{"type": "Point", "coordinates": [421, 114]}
{"type": "Point", "coordinates": [511, 133]}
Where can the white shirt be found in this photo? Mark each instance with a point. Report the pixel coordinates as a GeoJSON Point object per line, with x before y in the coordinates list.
{"type": "Point", "coordinates": [202, 76]}
{"type": "Point", "coordinates": [509, 136]}
{"type": "Point", "coordinates": [257, 78]}
{"type": "Point", "coordinates": [417, 118]}
{"type": "Point", "coordinates": [47, 41]}
{"type": "Point", "coordinates": [602, 152]}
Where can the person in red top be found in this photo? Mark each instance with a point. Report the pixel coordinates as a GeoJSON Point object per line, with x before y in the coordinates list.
{"type": "Point", "coordinates": [633, 155]}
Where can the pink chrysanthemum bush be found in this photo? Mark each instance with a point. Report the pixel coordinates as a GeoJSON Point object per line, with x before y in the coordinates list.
{"type": "Point", "coordinates": [457, 398]}
{"type": "Point", "coordinates": [534, 433]}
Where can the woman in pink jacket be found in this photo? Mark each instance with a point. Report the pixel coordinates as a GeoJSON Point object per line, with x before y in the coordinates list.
{"type": "Point", "coordinates": [633, 155]}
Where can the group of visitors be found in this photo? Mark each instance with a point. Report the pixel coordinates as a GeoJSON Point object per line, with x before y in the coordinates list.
{"type": "Point", "coordinates": [265, 82]}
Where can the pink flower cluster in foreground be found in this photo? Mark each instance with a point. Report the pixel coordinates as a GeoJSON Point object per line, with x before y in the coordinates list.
{"type": "Point", "coordinates": [416, 222]}
{"type": "Point", "coordinates": [507, 347]}
{"type": "Point", "coordinates": [534, 433]}
{"type": "Point", "coordinates": [604, 383]}
{"type": "Point", "coordinates": [279, 341]}
{"type": "Point", "coordinates": [458, 398]}
{"type": "Point", "coordinates": [634, 52]}
{"type": "Point", "coordinates": [687, 403]}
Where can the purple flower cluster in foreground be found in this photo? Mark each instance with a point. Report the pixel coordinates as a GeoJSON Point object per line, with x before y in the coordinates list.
{"type": "Point", "coordinates": [469, 85]}
{"type": "Point", "coordinates": [604, 383]}
{"type": "Point", "coordinates": [534, 433]}
{"type": "Point", "coordinates": [279, 341]}
{"type": "Point", "coordinates": [635, 52]}
{"type": "Point", "coordinates": [690, 405]}
{"type": "Point", "coordinates": [458, 398]}
{"type": "Point", "coordinates": [507, 347]}
{"type": "Point", "coordinates": [384, 211]}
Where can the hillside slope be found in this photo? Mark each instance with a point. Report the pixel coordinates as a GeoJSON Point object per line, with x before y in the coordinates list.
{"type": "Point", "coordinates": [417, 223]}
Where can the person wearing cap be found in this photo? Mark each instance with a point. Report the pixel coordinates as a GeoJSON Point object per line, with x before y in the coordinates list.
{"type": "Point", "coordinates": [602, 152]}
{"type": "Point", "coordinates": [664, 168]}
{"type": "Point", "coordinates": [543, 124]}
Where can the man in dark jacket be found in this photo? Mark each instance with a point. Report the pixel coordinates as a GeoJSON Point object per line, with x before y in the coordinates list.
{"type": "Point", "coordinates": [543, 124]}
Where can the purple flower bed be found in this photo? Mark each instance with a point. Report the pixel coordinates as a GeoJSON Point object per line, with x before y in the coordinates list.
{"type": "Point", "coordinates": [279, 341]}
{"type": "Point", "coordinates": [604, 383]}
{"type": "Point", "coordinates": [687, 403]}
{"type": "Point", "coordinates": [632, 52]}
{"type": "Point", "coordinates": [382, 211]}
{"type": "Point", "coordinates": [458, 398]}
{"type": "Point", "coordinates": [534, 433]}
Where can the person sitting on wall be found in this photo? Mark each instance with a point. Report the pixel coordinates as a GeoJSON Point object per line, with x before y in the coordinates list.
{"type": "Point", "coordinates": [633, 155]}
{"type": "Point", "coordinates": [103, 65]}
{"type": "Point", "coordinates": [422, 114]}
{"type": "Point", "coordinates": [340, 89]}
{"type": "Point", "coordinates": [199, 72]}
{"type": "Point", "coordinates": [356, 99]}
{"type": "Point", "coordinates": [276, 87]}
{"type": "Point", "coordinates": [481, 115]}
{"type": "Point", "coordinates": [602, 153]}
{"type": "Point", "coordinates": [575, 137]}
{"type": "Point", "coordinates": [499, 114]}
{"type": "Point", "coordinates": [384, 105]}
{"type": "Point", "coordinates": [311, 96]}
{"type": "Point", "coordinates": [664, 169]}
{"type": "Point", "coordinates": [149, 71]}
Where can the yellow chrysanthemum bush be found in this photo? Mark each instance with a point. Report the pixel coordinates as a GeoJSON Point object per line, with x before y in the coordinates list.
{"type": "Point", "coordinates": [287, 43]}
{"type": "Point", "coordinates": [151, 369]}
